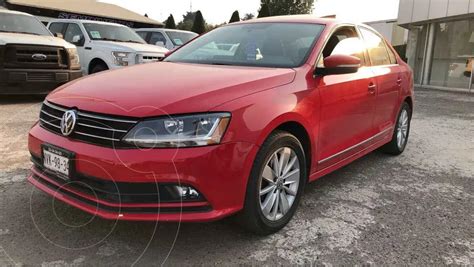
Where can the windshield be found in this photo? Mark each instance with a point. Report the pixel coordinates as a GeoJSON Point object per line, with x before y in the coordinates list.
{"type": "Point", "coordinates": [284, 45]}
{"type": "Point", "coordinates": [114, 33]}
{"type": "Point", "coordinates": [17, 23]}
{"type": "Point", "coordinates": [180, 38]}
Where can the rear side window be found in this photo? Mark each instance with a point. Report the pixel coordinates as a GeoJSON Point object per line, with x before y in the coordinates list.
{"type": "Point", "coordinates": [56, 28]}
{"type": "Point", "coordinates": [73, 34]}
{"type": "Point", "coordinates": [391, 55]}
{"type": "Point", "coordinates": [376, 47]}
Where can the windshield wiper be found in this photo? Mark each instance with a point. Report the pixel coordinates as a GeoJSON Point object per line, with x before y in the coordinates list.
{"type": "Point", "coordinates": [32, 33]}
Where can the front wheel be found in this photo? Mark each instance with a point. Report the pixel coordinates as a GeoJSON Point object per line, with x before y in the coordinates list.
{"type": "Point", "coordinates": [275, 185]}
{"type": "Point", "coordinates": [402, 130]}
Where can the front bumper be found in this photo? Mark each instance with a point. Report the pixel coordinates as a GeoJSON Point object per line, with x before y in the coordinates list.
{"type": "Point", "coordinates": [219, 173]}
{"type": "Point", "coordinates": [34, 81]}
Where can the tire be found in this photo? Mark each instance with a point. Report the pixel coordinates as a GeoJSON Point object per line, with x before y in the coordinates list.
{"type": "Point", "coordinates": [253, 217]}
{"type": "Point", "coordinates": [98, 68]}
{"type": "Point", "coordinates": [397, 146]}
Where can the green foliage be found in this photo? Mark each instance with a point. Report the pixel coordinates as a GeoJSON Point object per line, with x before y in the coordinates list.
{"type": "Point", "coordinates": [170, 23]}
{"type": "Point", "coordinates": [248, 16]}
{"type": "Point", "coordinates": [188, 20]}
{"type": "Point", "coordinates": [199, 25]}
{"type": "Point", "coordinates": [287, 7]}
{"type": "Point", "coordinates": [235, 17]}
{"type": "Point", "coordinates": [264, 11]}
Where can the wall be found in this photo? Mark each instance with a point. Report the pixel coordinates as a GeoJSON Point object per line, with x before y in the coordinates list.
{"type": "Point", "coordinates": [413, 11]}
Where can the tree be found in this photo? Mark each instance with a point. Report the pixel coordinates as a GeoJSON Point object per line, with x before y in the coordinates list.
{"type": "Point", "coordinates": [170, 23]}
{"type": "Point", "coordinates": [264, 11]}
{"type": "Point", "coordinates": [199, 25]}
{"type": "Point", "coordinates": [287, 7]}
{"type": "Point", "coordinates": [248, 16]}
{"type": "Point", "coordinates": [187, 22]}
{"type": "Point", "coordinates": [235, 17]}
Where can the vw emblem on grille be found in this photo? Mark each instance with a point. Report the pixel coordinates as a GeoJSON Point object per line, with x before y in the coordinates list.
{"type": "Point", "coordinates": [68, 122]}
{"type": "Point", "coordinates": [39, 57]}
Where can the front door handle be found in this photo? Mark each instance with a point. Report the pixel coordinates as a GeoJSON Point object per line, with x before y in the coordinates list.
{"type": "Point", "coordinates": [372, 88]}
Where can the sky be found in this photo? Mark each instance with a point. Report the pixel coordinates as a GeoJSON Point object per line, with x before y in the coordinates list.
{"type": "Point", "coordinates": [219, 11]}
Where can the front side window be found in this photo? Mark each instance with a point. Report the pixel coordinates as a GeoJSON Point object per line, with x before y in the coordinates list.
{"type": "Point", "coordinates": [109, 32]}
{"type": "Point", "coordinates": [376, 47]}
{"type": "Point", "coordinates": [281, 45]}
{"type": "Point", "coordinates": [73, 34]}
{"type": "Point", "coordinates": [16, 23]}
{"type": "Point", "coordinates": [57, 27]}
{"type": "Point", "coordinates": [344, 41]}
{"type": "Point", "coordinates": [157, 37]}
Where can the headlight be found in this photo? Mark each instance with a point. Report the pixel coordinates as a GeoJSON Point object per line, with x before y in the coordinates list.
{"type": "Point", "coordinates": [121, 58]}
{"type": "Point", "coordinates": [74, 58]}
{"type": "Point", "coordinates": [179, 131]}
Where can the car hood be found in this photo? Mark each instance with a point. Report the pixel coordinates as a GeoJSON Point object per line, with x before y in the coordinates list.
{"type": "Point", "coordinates": [131, 47]}
{"type": "Point", "coordinates": [164, 88]}
{"type": "Point", "coordinates": [20, 38]}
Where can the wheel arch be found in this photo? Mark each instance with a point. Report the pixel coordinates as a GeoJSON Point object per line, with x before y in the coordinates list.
{"type": "Point", "coordinates": [94, 62]}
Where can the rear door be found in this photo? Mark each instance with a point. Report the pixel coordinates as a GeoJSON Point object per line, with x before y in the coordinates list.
{"type": "Point", "coordinates": [347, 102]}
{"type": "Point", "coordinates": [387, 74]}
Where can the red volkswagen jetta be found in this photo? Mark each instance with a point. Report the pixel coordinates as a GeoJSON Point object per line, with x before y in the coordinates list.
{"type": "Point", "coordinates": [235, 122]}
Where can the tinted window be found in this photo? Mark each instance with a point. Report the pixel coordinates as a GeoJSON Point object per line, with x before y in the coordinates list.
{"type": "Point", "coordinates": [57, 27]}
{"type": "Point", "coordinates": [180, 38]}
{"type": "Point", "coordinates": [344, 41]}
{"type": "Point", "coordinates": [72, 31]}
{"type": "Point", "coordinates": [376, 47]}
{"type": "Point", "coordinates": [285, 45]}
{"type": "Point", "coordinates": [16, 23]}
{"type": "Point", "coordinates": [391, 55]}
{"type": "Point", "coordinates": [142, 35]}
{"type": "Point", "coordinates": [157, 37]}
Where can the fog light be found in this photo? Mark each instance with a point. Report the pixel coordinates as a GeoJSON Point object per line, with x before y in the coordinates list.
{"type": "Point", "coordinates": [187, 192]}
{"type": "Point", "coordinates": [178, 193]}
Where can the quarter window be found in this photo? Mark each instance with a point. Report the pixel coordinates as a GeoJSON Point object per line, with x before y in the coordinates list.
{"type": "Point", "coordinates": [376, 47]}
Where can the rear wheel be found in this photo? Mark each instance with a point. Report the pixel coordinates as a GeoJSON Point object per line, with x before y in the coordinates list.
{"type": "Point", "coordinates": [275, 185]}
{"type": "Point", "coordinates": [402, 131]}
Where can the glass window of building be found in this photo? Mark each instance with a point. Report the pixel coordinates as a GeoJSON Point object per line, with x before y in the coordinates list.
{"type": "Point", "coordinates": [453, 54]}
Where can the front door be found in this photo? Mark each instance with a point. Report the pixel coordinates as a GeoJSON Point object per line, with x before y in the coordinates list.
{"type": "Point", "coordinates": [347, 102]}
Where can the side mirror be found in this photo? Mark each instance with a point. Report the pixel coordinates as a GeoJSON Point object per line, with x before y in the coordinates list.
{"type": "Point", "coordinates": [160, 43]}
{"type": "Point", "coordinates": [59, 35]}
{"type": "Point", "coordinates": [77, 40]}
{"type": "Point", "coordinates": [339, 64]}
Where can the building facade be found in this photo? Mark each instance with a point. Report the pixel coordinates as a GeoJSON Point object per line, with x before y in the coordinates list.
{"type": "Point", "coordinates": [440, 41]}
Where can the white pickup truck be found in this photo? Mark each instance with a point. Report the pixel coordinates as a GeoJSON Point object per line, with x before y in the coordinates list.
{"type": "Point", "coordinates": [32, 60]}
{"type": "Point", "coordinates": [103, 45]}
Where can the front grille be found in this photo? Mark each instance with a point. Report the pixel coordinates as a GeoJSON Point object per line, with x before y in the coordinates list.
{"type": "Point", "coordinates": [149, 58]}
{"type": "Point", "coordinates": [21, 56]}
{"type": "Point", "coordinates": [90, 127]}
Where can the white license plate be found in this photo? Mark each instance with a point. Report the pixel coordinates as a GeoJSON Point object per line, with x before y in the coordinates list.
{"type": "Point", "coordinates": [54, 162]}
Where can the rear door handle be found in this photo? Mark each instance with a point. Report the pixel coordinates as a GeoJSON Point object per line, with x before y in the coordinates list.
{"type": "Point", "coordinates": [372, 88]}
{"type": "Point", "coordinates": [399, 81]}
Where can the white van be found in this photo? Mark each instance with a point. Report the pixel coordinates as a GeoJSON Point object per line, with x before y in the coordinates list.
{"type": "Point", "coordinates": [103, 45]}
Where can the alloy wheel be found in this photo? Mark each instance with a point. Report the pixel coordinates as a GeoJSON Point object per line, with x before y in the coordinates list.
{"type": "Point", "coordinates": [402, 129]}
{"type": "Point", "coordinates": [279, 183]}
